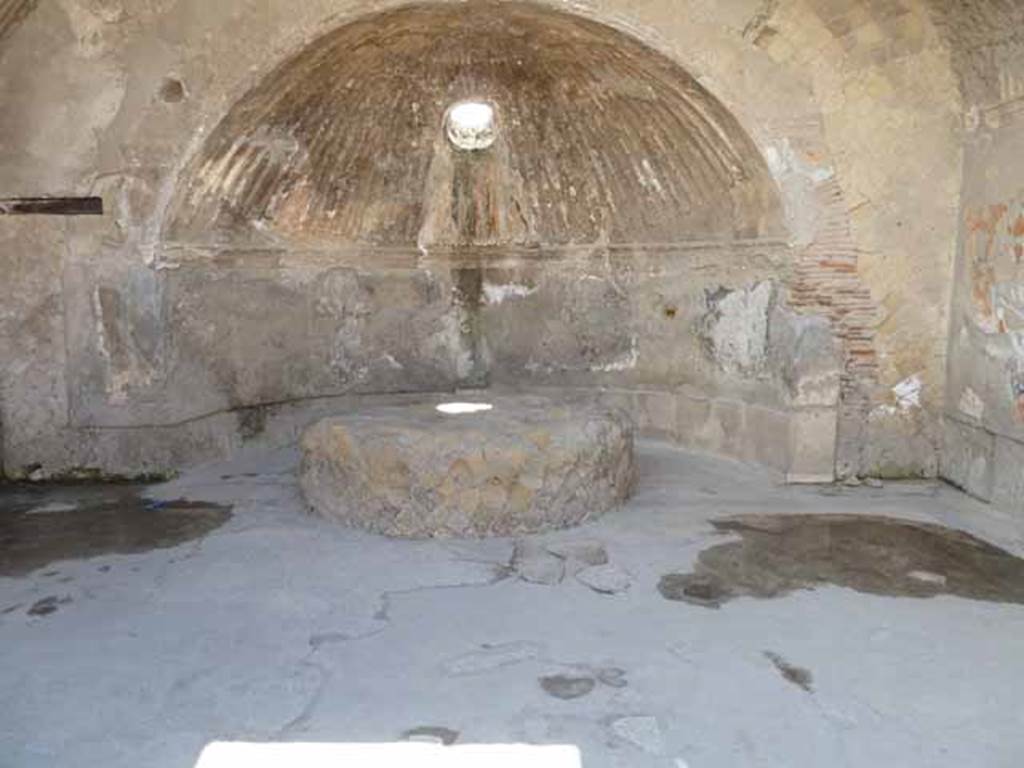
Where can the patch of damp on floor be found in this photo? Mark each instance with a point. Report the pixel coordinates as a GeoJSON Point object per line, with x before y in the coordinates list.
{"type": "Point", "coordinates": [798, 676]}
{"type": "Point", "coordinates": [582, 682]}
{"type": "Point", "coordinates": [48, 605]}
{"type": "Point", "coordinates": [776, 555]}
{"type": "Point", "coordinates": [40, 525]}
{"type": "Point", "coordinates": [567, 687]}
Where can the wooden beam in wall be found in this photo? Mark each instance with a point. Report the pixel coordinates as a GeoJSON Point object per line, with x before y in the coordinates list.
{"type": "Point", "coordinates": [51, 206]}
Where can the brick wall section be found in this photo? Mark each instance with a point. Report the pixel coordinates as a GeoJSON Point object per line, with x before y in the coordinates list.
{"type": "Point", "coordinates": [826, 282]}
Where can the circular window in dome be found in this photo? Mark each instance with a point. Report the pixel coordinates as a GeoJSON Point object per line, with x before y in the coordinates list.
{"type": "Point", "coordinates": [470, 125]}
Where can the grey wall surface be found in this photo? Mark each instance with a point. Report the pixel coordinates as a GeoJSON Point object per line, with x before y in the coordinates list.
{"type": "Point", "coordinates": [984, 428]}
{"type": "Point", "coordinates": [781, 264]}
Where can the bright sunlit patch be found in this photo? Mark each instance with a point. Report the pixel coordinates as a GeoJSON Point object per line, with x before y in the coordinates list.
{"type": "Point", "coordinates": [401, 755]}
{"type": "Point", "coordinates": [454, 409]}
{"type": "Point", "coordinates": [470, 125]}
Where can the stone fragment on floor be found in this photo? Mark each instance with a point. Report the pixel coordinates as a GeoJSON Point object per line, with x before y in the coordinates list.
{"type": "Point", "coordinates": [607, 579]}
{"type": "Point", "coordinates": [643, 732]}
{"type": "Point", "coordinates": [579, 554]}
{"type": "Point", "coordinates": [533, 563]}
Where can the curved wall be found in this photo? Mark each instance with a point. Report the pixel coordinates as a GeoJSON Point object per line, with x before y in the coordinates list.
{"type": "Point", "coordinates": [623, 233]}
{"type": "Point", "coordinates": [847, 106]}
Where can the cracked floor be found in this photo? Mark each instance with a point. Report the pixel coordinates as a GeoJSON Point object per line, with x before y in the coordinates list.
{"type": "Point", "coordinates": [805, 632]}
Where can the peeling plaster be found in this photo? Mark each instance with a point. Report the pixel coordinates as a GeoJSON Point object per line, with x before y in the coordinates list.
{"type": "Point", "coordinates": [497, 293]}
{"type": "Point", "coordinates": [624, 363]}
{"type": "Point", "coordinates": [783, 160]}
{"type": "Point", "coordinates": [908, 392]}
{"type": "Point", "coordinates": [971, 404]}
{"type": "Point", "coordinates": [219, 67]}
{"type": "Point", "coordinates": [798, 177]}
{"type": "Point", "coordinates": [735, 328]}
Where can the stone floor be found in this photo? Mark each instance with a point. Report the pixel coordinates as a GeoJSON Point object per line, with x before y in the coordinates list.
{"type": "Point", "coordinates": [133, 633]}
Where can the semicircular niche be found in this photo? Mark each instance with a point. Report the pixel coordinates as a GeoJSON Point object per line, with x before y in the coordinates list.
{"type": "Point", "coordinates": [597, 138]}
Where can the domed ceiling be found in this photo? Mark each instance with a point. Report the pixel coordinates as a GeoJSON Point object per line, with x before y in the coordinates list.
{"type": "Point", "coordinates": [12, 12]}
{"type": "Point", "coordinates": [597, 139]}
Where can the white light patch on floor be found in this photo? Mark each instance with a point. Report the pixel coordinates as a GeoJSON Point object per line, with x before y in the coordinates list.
{"type": "Point", "coordinates": [455, 409]}
{"type": "Point", "coordinates": [402, 755]}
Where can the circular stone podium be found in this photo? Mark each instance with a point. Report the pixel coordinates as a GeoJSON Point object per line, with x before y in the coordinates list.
{"type": "Point", "coordinates": [527, 464]}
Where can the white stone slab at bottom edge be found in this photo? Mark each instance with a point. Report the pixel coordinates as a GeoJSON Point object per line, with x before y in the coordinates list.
{"type": "Point", "coordinates": [798, 479]}
{"type": "Point", "coordinates": [398, 755]}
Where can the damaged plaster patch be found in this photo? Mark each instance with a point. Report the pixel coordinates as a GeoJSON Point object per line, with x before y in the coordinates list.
{"type": "Point", "coordinates": [782, 159]}
{"type": "Point", "coordinates": [735, 328]}
{"type": "Point", "coordinates": [971, 404]}
{"type": "Point", "coordinates": [907, 397]}
{"type": "Point", "coordinates": [116, 341]}
{"type": "Point", "coordinates": [1017, 392]}
{"type": "Point", "coordinates": [95, 90]}
{"type": "Point", "coordinates": [805, 351]}
{"type": "Point", "coordinates": [798, 177]}
{"type": "Point", "coordinates": [648, 178]}
{"type": "Point", "coordinates": [908, 393]}
{"type": "Point", "coordinates": [495, 293]}
{"type": "Point", "coordinates": [449, 340]}
{"type": "Point", "coordinates": [1008, 303]}
{"type": "Point", "coordinates": [625, 363]}
{"type": "Point", "coordinates": [88, 20]}
{"type": "Point", "coordinates": [759, 28]}
{"type": "Point", "coordinates": [278, 145]}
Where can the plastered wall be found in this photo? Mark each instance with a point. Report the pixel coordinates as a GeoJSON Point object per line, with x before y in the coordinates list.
{"type": "Point", "coordinates": [984, 427]}
{"type": "Point", "coordinates": [852, 108]}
